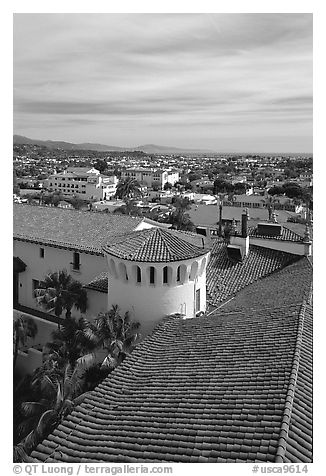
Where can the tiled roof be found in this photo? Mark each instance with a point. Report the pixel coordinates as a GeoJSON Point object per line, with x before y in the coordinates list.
{"type": "Point", "coordinates": [72, 229]}
{"type": "Point", "coordinates": [156, 245]}
{"type": "Point", "coordinates": [287, 235]}
{"type": "Point", "coordinates": [298, 444]}
{"type": "Point", "coordinates": [224, 277]}
{"type": "Point", "coordinates": [231, 387]}
{"type": "Point", "coordinates": [99, 283]}
{"type": "Point", "coordinates": [287, 286]}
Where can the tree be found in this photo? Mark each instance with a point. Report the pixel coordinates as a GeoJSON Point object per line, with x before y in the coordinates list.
{"type": "Point", "coordinates": [24, 328]}
{"type": "Point", "coordinates": [194, 176]}
{"type": "Point", "coordinates": [167, 186]}
{"type": "Point", "coordinates": [270, 202]}
{"type": "Point", "coordinates": [293, 190]}
{"type": "Point", "coordinates": [129, 188]}
{"type": "Point", "coordinates": [100, 165]}
{"type": "Point", "coordinates": [179, 218]}
{"type": "Point", "coordinates": [129, 208]}
{"type": "Point", "coordinates": [76, 202]}
{"type": "Point", "coordinates": [16, 188]}
{"type": "Point", "coordinates": [189, 186]}
{"type": "Point", "coordinates": [115, 333]}
{"type": "Point", "coordinates": [240, 188]}
{"type": "Point", "coordinates": [276, 190]}
{"type": "Point", "coordinates": [60, 292]}
{"type": "Point", "coordinates": [70, 344]}
{"type": "Point", "coordinates": [222, 186]}
{"type": "Point", "coordinates": [60, 392]}
{"type": "Point", "coordinates": [55, 387]}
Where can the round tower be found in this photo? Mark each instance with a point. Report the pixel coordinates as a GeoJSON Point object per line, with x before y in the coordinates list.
{"type": "Point", "coordinates": [156, 272]}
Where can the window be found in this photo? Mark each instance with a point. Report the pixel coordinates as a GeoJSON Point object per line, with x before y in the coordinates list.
{"type": "Point", "coordinates": [138, 274]}
{"type": "Point", "coordinates": [197, 300]}
{"type": "Point", "coordinates": [76, 261]}
{"type": "Point", "coordinates": [152, 275]}
{"type": "Point", "coordinates": [178, 275]}
{"type": "Point", "coordinates": [36, 284]}
{"type": "Point", "coordinates": [41, 252]}
{"type": "Point", "coordinates": [165, 275]}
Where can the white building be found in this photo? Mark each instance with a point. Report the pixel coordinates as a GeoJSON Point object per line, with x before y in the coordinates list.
{"type": "Point", "coordinates": [136, 263]}
{"type": "Point", "coordinates": [157, 272]}
{"type": "Point", "coordinates": [156, 178]}
{"type": "Point", "coordinates": [49, 239]}
{"type": "Point", "coordinates": [83, 182]}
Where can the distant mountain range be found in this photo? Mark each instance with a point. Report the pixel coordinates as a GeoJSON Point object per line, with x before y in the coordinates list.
{"type": "Point", "coordinates": [147, 148]}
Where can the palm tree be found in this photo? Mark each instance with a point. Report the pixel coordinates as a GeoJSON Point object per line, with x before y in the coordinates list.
{"type": "Point", "coordinates": [24, 328]}
{"type": "Point", "coordinates": [71, 344]}
{"type": "Point", "coordinates": [57, 386]}
{"type": "Point", "coordinates": [59, 292]}
{"type": "Point", "coordinates": [270, 203]}
{"type": "Point", "coordinates": [115, 333]}
{"type": "Point", "coordinates": [128, 188]}
{"type": "Point", "coordinates": [60, 392]}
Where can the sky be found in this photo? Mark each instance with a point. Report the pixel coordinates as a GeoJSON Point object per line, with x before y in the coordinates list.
{"type": "Point", "coordinates": [224, 82]}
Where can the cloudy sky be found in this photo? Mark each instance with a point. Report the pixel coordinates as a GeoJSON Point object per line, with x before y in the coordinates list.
{"type": "Point", "coordinates": [227, 82]}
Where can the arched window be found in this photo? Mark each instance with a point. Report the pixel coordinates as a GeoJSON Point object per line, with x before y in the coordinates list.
{"type": "Point", "coordinates": [178, 274]}
{"type": "Point", "coordinates": [123, 272]}
{"type": "Point", "coordinates": [138, 274]}
{"type": "Point", "coordinates": [183, 273]}
{"type": "Point", "coordinates": [113, 268]}
{"type": "Point", "coordinates": [202, 266]}
{"type": "Point", "coordinates": [152, 275]}
{"type": "Point", "coordinates": [193, 270]}
{"type": "Point", "coordinates": [165, 275]}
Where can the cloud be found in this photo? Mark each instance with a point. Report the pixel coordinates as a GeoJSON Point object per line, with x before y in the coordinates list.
{"type": "Point", "coordinates": [170, 69]}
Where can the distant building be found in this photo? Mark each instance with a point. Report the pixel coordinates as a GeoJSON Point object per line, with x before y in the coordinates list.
{"type": "Point", "coordinates": [64, 204]}
{"type": "Point", "coordinates": [83, 182]}
{"type": "Point", "coordinates": [259, 201]}
{"type": "Point", "coordinates": [155, 178]}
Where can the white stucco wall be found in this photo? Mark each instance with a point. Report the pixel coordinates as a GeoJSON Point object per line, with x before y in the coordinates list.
{"type": "Point", "coordinates": [44, 328]}
{"type": "Point", "coordinates": [97, 302]}
{"type": "Point", "coordinates": [239, 241]}
{"type": "Point", "coordinates": [55, 259]}
{"type": "Point", "coordinates": [148, 303]}
{"type": "Point", "coordinates": [296, 248]}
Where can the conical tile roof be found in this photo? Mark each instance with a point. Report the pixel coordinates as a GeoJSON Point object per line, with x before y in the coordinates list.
{"type": "Point", "coordinates": [156, 245]}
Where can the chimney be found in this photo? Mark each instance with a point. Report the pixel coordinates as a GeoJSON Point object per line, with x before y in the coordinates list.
{"type": "Point", "coordinates": [220, 220]}
{"type": "Point", "coordinates": [274, 217]}
{"type": "Point", "coordinates": [307, 241]}
{"type": "Point", "coordinates": [240, 243]}
{"type": "Point", "coordinates": [244, 223]}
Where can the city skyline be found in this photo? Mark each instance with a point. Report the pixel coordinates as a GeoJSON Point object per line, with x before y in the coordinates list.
{"type": "Point", "coordinates": [225, 82]}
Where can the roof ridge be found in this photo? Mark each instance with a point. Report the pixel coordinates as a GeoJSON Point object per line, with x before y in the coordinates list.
{"type": "Point", "coordinates": [294, 232]}
{"type": "Point", "coordinates": [149, 232]}
{"type": "Point", "coordinates": [166, 244]}
{"type": "Point", "coordinates": [286, 420]}
{"type": "Point", "coordinates": [244, 310]}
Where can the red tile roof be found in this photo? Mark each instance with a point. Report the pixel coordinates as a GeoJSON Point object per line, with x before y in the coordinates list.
{"type": "Point", "coordinates": [287, 235]}
{"type": "Point", "coordinates": [298, 438]}
{"type": "Point", "coordinates": [231, 387]}
{"type": "Point", "coordinates": [156, 245]}
{"type": "Point", "coordinates": [72, 229]}
{"type": "Point", "coordinates": [99, 283]}
{"type": "Point", "coordinates": [224, 277]}
{"type": "Point", "coordinates": [291, 284]}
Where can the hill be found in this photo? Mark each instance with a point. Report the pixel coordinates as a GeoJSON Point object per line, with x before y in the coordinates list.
{"type": "Point", "coordinates": [147, 148]}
